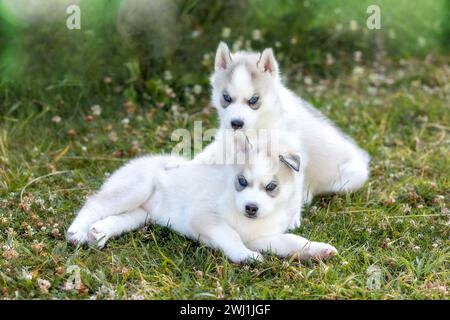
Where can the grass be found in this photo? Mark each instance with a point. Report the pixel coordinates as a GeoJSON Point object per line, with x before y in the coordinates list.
{"type": "Point", "coordinates": [398, 224]}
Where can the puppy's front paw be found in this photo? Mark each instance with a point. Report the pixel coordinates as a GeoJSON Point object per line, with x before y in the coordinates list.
{"type": "Point", "coordinates": [77, 235]}
{"type": "Point", "coordinates": [322, 251]}
{"type": "Point", "coordinates": [255, 257]}
{"type": "Point", "coordinates": [248, 256]}
{"type": "Point", "coordinates": [98, 235]}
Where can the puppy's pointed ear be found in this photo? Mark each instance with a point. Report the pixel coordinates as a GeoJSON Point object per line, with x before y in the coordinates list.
{"type": "Point", "coordinates": [267, 62]}
{"type": "Point", "coordinates": [223, 57]}
{"type": "Point", "coordinates": [292, 160]}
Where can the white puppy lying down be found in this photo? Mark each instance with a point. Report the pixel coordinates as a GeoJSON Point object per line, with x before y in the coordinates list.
{"type": "Point", "coordinates": [239, 209]}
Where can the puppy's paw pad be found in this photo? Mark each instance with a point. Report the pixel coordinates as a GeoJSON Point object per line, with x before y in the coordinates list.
{"type": "Point", "coordinates": [324, 252]}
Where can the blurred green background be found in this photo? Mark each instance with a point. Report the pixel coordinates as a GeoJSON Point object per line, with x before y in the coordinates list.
{"type": "Point", "coordinates": [146, 47]}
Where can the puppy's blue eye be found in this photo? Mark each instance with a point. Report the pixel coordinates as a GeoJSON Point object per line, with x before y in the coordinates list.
{"type": "Point", "coordinates": [271, 186]}
{"type": "Point", "coordinates": [227, 98]}
{"type": "Point", "coordinates": [242, 181]}
{"type": "Point", "coordinates": [253, 100]}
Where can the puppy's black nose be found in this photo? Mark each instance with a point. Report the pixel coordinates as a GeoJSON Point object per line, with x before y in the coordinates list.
{"type": "Point", "coordinates": [251, 210]}
{"type": "Point", "coordinates": [237, 124]}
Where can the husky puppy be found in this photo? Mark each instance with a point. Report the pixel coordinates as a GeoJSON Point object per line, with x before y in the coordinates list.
{"type": "Point", "coordinates": [239, 209]}
{"type": "Point", "coordinates": [249, 96]}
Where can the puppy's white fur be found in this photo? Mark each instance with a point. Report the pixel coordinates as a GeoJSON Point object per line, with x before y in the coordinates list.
{"type": "Point", "coordinates": [202, 202]}
{"type": "Point", "coordinates": [333, 163]}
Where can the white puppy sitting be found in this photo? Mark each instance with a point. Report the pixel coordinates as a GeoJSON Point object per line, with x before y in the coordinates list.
{"type": "Point", "coordinates": [249, 96]}
{"type": "Point", "coordinates": [239, 209]}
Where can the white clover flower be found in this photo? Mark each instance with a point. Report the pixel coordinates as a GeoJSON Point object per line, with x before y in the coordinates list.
{"type": "Point", "coordinates": [169, 92]}
{"type": "Point", "coordinates": [248, 45]}
{"type": "Point", "coordinates": [421, 41]}
{"type": "Point", "coordinates": [308, 81]}
{"type": "Point", "coordinates": [392, 34]}
{"type": "Point", "coordinates": [195, 34]}
{"type": "Point", "coordinates": [96, 110]}
{"type": "Point", "coordinates": [113, 136]}
{"type": "Point", "coordinates": [190, 98]}
{"type": "Point", "coordinates": [26, 275]}
{"type": "Point", "coordinates": [372, 90]}
{"type": "Point", "coordinates": [168, 75]}
{"type": "Point", "coordinates": [43, 285]}
{"type": "Point", "coordinates": [256, 35]}
{"type": "Point", "coordinates": [56, 119]}
{"type": "Point", "coordinates": [329, 59]}
{"type": "Point", "coordinates": [237, 45]}
{"type": "Point", "coordinates": [197, 89]}
{"type": "Point", "coordinates": [226, 32]}
{"type": "Point", "coordinates": [358, 71]}
{"type": "Point", "coordinates": [348, 102]}
{"type": "Point", "coordinates": [294, 40]}
{"type": "Point", "coordinates": [357, 55]}
{"type": "Point", "coordinates": [125, 121]}
{"type": "Point", "coordinates": [174, 108]}
{"type": "Point", "coordinates": [39, 201]}
{"type": "Point", "coordinates": [207, 59]}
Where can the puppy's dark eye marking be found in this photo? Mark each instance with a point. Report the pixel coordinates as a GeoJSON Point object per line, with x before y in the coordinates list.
{"type": "Point", "coordinates": [253, 100]}
{"type": "Point", "coordinates": [241, 183]}
{"type": "Point", "coordinates": [271, 186]}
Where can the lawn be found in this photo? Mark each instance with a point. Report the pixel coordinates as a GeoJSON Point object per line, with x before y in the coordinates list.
{"type": "Point", "coordinates": [392, 235]}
